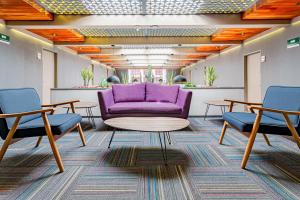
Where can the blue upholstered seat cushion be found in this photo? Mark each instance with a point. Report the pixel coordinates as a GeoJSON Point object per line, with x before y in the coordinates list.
{"type": "Point", "coordinates": [244, 122]}
{"type": "Point", "coordinates": [60, 123]}
{"type": "Point", "coordinates": [19, 100]}
{"type": "Point", "coordinates": [282, 98]}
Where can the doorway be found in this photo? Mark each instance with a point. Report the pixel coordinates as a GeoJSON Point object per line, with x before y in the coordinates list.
{"type": "Point", "coordinates": [49, 71]}
{"type": "Point", "coordinates": [253, 77]}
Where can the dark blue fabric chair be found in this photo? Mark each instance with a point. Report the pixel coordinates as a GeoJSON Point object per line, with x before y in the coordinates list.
{"type": "Point", "coordinates": [278, 115]}
{"type": "Point", "coordinates": [21, 116]}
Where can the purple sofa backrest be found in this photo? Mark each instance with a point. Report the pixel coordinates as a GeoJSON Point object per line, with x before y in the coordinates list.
{"type": "Point", "coordinates": [161, 93]}
{"type": "Point", "coordinates": [145, 92]}
{"type": "Point", "coordinates": [129, 93]}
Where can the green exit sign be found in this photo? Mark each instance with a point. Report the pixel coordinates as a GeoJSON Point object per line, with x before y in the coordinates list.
{"type": "Point", "coordinates": [295, 42]}
{"type": "Point", "coordinates": [4, 38]}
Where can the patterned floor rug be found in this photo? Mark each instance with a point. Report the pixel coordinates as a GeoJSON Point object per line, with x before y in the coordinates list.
{"type": "Point", "coordinates": [198, 167]}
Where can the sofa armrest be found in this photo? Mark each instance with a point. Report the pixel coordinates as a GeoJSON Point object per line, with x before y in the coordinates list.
{"type": "Point", "coordinates": [184, 101]}
{"type": "Point", "coordinates": [106, 99]}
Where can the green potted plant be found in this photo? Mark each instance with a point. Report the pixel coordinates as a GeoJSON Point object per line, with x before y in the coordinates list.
{"type": "Point", "coordinates": [87, 75]}
{"type": "Point", "coordinates": [189, 85]}
{"type": "Point", "coordinates": [170, 76]}
{"type": "Point", "coordinates": [124, 77]}
{"type": "Point", "coordinates": [210, 75]}
{"type": "Point", "coordinates": [149, 75]}
{"type": "Point", "coordinates": [103, 83]}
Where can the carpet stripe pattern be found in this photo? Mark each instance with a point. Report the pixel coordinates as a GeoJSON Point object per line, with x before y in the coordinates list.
{"type": "Point", "coordinates": [198, 167]}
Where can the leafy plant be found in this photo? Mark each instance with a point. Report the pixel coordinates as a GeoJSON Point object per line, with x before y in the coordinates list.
{"type": "Point", "coordinates": [149, 75]}
{"type": "Point", "coordinates": [124, 77]}
{"type": "Point", "coordinates": [189, 85]}
{"type": "Point", "coordinates": [103, 83]}
{"type": "Point", "coordinates": [170, 76]}
{"type": "Point", "coordinates": [211, 76]}
{"type": "Point", "coordinates": [87, 75]}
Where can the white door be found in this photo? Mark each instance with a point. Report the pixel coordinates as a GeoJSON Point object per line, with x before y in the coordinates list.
{"type": "Point", "coordinates": [48, 75]}
{"type": "Point", "coordinates": [253, 79]}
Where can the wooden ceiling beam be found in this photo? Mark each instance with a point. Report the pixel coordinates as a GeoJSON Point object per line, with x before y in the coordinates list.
{"type": "Point", "coordinates": [59, 35]}
{"type": "Point", "coordinates": [23, 10]}
{"type": "Point", "coordinates": [236, 34]}
{"type": "Point", "coordinates": [273, 9]}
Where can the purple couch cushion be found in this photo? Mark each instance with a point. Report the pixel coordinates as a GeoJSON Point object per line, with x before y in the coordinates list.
{"type": "Point", "coordinates": [144, 107]}
{"type": "Point", "coordinates": [161, 93]}
{"type": "Point", "coordinates": [129, 93]}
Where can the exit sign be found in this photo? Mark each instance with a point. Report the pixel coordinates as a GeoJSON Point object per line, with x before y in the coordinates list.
{"type": "Point", "coordinates": [295, 42]}
{"type": "Point", "coordinates": [4, 38]}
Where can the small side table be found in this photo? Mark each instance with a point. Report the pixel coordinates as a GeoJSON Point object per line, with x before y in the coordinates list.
{"type": "Point", "coordinates": [88, 108]}
{"type": "Point", "coordinates": [220, 103]}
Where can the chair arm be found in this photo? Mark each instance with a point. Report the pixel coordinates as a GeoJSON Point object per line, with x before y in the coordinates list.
{"type": "Point", "coordinates": [25, 113]}
{"type": "Point", "coordinates": [243, 102]}
{"type": "Point", "coordinates": [106, 99]}
{"type": "Point", "coordinates": [184, 99]}
{"type": "Point", "coordinates": [60, 104]}
{"type": "Point", "coordinates": [274, 110]}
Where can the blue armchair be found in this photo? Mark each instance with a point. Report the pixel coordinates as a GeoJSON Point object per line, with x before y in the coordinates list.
{"type": "Point", "coordinates": [279, 114]}
{"type": "Point", "coordinates": [21, 116]}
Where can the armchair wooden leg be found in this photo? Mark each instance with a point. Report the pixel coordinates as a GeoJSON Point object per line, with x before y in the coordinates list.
{"type": "Point", "coordinates": [81, 134]}
{"type": "Point", "coordinates": [9, 138]}
{"type": "Point", "coordinates": [39, 141]}
{"type": "Point", "coordinates": [251, 140]}
{"type": "Point", "coordinates": [267, 139]}
{"type": "Point", "coordinates": [223, 132]}
{"type": "Point", "coordinates": [292, 129]}
{"type": "Point", "coordinates": [52, 143]}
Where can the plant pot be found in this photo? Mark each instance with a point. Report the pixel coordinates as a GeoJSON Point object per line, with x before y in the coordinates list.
{"type": "Point", "coordinates": [86, 83]}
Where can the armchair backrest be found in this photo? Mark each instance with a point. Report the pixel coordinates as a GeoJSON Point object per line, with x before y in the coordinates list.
{"type": "Point", "coordinates": [282, 98]}
{"type": "Point", "coordinates": [16, 101]}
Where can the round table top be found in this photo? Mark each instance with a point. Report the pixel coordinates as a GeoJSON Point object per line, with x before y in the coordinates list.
{"type": "Point", "coordinates": [82, 104]}
{"type": "Point", "coordinates": [218, 102]}
{"type": "Point", "coordinates": [151, 124]}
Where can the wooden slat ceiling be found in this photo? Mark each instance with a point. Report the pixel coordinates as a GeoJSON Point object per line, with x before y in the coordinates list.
{"type": "Point", "coordinates": [23, 10]}
{"type": "Point", "coordinates": [59, 35]}
{"type": "Point", "coordinates": [197, 56]}
{"type": "Point", "coordinates": [273, 9]}
{"type": "Point", "coordinates": [106, 61]}
{"type": "Point", "coordinates": [86, 49]}
{"type": "Point", "coordinates": [99, 57]}
{"type": "Point", "coordinates": [211, 49]}
{"type": "Point", "coordinates": [236, 34]}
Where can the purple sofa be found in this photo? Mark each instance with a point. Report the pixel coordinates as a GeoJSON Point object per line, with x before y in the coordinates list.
{"type": "Point", "coordinates": [144, 100]}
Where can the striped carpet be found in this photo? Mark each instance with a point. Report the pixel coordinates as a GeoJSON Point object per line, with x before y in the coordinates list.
{"type": "Point", "coordinates": [198, 168]}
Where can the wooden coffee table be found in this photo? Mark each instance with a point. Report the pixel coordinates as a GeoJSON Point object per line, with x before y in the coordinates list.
{"type": "Point", "coordinates": [88, 108]}
{"type": "Point", "coordinates": [160, 125]}
{"type": "Point", "coordinates": [219, 103]}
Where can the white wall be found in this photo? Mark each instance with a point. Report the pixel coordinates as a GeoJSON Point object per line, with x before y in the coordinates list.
{"type": "Point", "coordinates": [100, 73]}
{"type": "Point", "coordinates": [69, 67]}
{"type": "Point", "coordinates": [281, 67]}
{"type": "Point", "coordinates": [20, 67]}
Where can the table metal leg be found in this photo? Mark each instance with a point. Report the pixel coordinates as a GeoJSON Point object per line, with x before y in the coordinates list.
{"type": "Point", "coordinates": [169, 137]}
{"type": "Point", "coordinates": [68, 110]}
{"type": "Point", "coordinates": [166, 155]}
{"type": "Point", "coordinates": [87, 114]}
{"type": "Point", "coordinates": [112, 136]}
{"type": "Point", "coordinates": [163, 147]}
{"type": "Point", "coordinates": [92, 117]}
{"type": "Point", "coordinates": [222, 110]}
{"type": "Point", "coordinates": [206, 111]}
